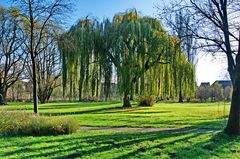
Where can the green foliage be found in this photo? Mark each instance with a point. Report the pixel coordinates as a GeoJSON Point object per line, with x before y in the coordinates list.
{"type": "Point", "coordinates": [147, 101]}
{"type": "Point", "coordinates": [145, 59]}
{"type": "Point", "coordinates": [20, 123]}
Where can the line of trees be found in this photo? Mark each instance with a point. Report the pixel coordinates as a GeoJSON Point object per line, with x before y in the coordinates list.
{"type": "Point", "coordinates": [215, 93]}
{"type": "Point", "coordinates": [29, 36]}
{"type": "Point", "coordinates": [133, 51]}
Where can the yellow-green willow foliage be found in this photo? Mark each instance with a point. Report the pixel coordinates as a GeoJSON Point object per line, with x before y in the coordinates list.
{"type": "Point", "coordinates": [134, 50]}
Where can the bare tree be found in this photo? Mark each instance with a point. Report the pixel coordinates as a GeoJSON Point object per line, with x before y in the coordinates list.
{"type": "Point", "coordinates": [217, 92]}
{"type": "Point", "coordinates": [203, 93]}
{"type": "Point", "coordinates": [38, 15]}
{"type": "Point", "coordinates": [48, 67]}
{"type": "Point", "coordinates": [218, 32]}
{"type": "Point", "coordinates": [12, 60]}
{"type": "Point", "coordinates": [180, 24]}
{"type": "Point", "coordinates": [227, 93]}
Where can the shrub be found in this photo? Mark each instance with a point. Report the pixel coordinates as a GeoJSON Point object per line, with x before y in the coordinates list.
{"type": "Point", "coordinates": [146, 101]}
{"type": "Point", "coordinates": [20, 123]}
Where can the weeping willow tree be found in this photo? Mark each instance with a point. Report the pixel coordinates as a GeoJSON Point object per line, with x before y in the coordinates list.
{"type": "Point", "coordinates": [80, 49]}
{"type": "Point", "coordinates": [136, 50]}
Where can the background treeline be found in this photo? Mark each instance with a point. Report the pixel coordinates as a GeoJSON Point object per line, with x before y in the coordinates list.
{"type": "Point", "coordinates": [213, 93]}
{"type": "Point", "coordinates": [133, 52]}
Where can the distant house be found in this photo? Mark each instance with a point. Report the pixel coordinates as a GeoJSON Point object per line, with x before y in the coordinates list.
{"type": "Point", "coordinates": [224, 83]}
{"type": "Point", "coordinates": [205, 84]}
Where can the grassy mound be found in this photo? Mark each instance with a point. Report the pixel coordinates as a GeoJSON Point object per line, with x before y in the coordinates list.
{"type": "Point", "coordinates": [20, 123]}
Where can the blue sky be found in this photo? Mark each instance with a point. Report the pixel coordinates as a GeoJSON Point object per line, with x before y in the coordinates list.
{"type": "Point", "coordinates": [209, 68]}
{"type": "Point", "coordinates": [107, 8]}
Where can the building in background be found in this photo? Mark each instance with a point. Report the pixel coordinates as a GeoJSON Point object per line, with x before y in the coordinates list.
{"type": "Point", "coordinates": [205, 84]}
{"type": "Point", "coordinates": [224, 83]}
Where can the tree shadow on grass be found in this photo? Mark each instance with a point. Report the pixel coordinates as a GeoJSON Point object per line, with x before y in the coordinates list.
{"type": "Point", "coordinates": [218, 124]}
{"type": "Point", "coordinates": [77, 105]}
{"type": "Point", "coordinates": [122, 144]}
{"type": "Point", "coordinates": [89, 111]}
{"type": "Point", "coordinates": [97, 143]}
{"type": "Point", "coordinates": [64, 105]}
{"type": "Point", "coordinates": [103, 110]}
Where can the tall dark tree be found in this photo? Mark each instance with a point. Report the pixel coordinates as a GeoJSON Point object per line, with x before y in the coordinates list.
{"type": "Point", "coordinates": [218, 32]}
{"type": "Point", "coordinates": [48, 67]}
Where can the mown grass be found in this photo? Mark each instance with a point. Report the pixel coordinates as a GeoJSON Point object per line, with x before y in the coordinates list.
{"type": "Point", "coordinates": [167, 115]}
{"type": "Point", "coordinates": [128, 144]}
{"type": "Point", "coordinates": [118, 144]}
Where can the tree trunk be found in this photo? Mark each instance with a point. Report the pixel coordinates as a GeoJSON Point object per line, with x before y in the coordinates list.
{"type": "Point", "coordinates": [80, 90]}
{"type": "Point", "coordinates": [3, 95]}
{"type": "Point", "coordinates": [2, 99]}
{"type": "Point", "coordinates": [33, 56]}
{"type": "Point", "coordinates": [42, 97]}
{"type": "Point", "coordinates": [233, 125]}
{"type": "Point", "coordinates": [132, 91]}
{"type": "Point", "coordinates": [180, 94]}
{"type": "Point", "coordinates": [126, 101]}
{"type": "Point", "coordinates": [35, 97]}
{"type": "Point", "coordinates": [42, 100]}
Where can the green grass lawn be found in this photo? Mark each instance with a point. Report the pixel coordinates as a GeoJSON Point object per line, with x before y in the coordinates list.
{"type": "Point", "coordinates": [128, 144]}
{"type": "Point", "coordinates": [117, 144]}
{"type": "Point", "coordinates": [167, 115]}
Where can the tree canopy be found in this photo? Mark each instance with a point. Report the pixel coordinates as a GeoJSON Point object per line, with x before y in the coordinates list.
{"type": "Point", "coordinates": [133, 51]}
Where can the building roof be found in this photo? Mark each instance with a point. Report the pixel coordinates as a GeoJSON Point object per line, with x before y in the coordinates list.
{"type": "Point", "coordinates": [205, 84]}
{"type": "Point", "coordinates": [224, 83]}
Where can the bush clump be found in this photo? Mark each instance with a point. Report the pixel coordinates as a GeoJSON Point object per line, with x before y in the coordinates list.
{"type": "Point", "coordinates": [20, 123]}
{"type": "Point", "coordinates": [147, 101]}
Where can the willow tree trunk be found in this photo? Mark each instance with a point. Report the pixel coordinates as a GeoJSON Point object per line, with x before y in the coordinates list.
{"type": "Point", "coordinates": [233, 125]}
{"type": "Point", "coordinates": [126, 100]}
{"type": "Point", "coordinates": [180, 93]}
